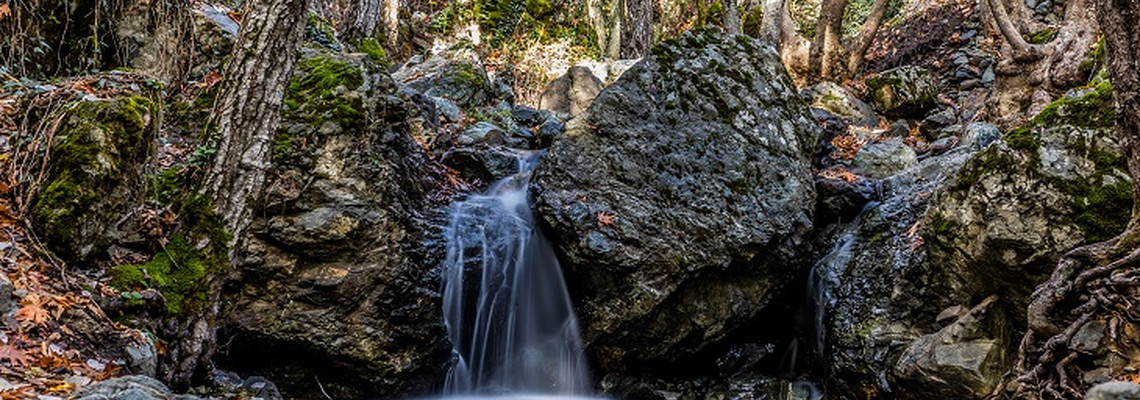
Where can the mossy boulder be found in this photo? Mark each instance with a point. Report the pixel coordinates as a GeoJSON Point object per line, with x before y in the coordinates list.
{"type": "Point", "coordinates": [907, 91]}
{"type": "Point", "coordinates": [334, 272]}
{"type": "Point", "coordinates": [1055, 183]}
{"type": "Point", "coordinates": [92, 176]}
{"type": "Point", "coordinates": [453, 72]}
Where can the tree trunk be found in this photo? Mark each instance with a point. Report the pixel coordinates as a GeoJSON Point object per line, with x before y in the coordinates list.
{"type": "Point", "coordinates": [247, 116]}
{"type": "Point", "coordinates": [731, 17]}
{"type": "Point", "coordinates": [637, 36]}
{"type": "Point", "coordinates": [771, 22]}
{"type": "Point", "coordinates": [361, 21]}
{"type": "Point", "coordinates": [866, 36]}
{"type": "Point", "coordinates": [607, 26]}
{"type": "Point", "coordinates": [1118, 19]}
{"type": "Point", "coordinates": [391, 14]}
{"type": "Point", "coordinates": [825, 54]}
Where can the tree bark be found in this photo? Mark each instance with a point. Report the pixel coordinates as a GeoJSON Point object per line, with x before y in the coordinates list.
{"type": "Point", "coordinates": [362, 19]}
{"type": "Point", "coordinates": [637, 35]}
{"type": "Point", "coordinates": [607, 27]}
{"type": "Point", "coordinates": [771, 22]}
{"type": "Point", "coordinates": [824, 56]}
{"type": "Point", "coordinates": [866, 36]}
{"type": "Point", "coordinates": [247, 116]}
{"type": "Point", "coordinates": [731, 17]}
{"type": "Point", "coordinates": [391, 14]}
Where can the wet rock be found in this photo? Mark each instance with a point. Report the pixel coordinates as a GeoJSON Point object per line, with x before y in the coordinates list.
{"type": "Point", "coordinates": [335, 273]}
{"type": "Point", "coordinates": [1114, 391]}
{"type": "Point", "coordinates": [840, 200]}
{"type": "Point", "coordinates": [528, 117]}
{"type": "Point", "coordinates": [837, 100]}
{"type": "Point", "coordinates": [681, 192]}
{"type": "Point", "coordinates": [571, 93]}
{"type": "Point", "coordinates": [879, 160]}
{"type": "Point", "coordinates": [964, 360]}
{"type": "Point", "coordinates": [454, 72]}
{"type": "Point", "coordinates": [904, 91]}
{"type": "Point", "coordinates": [481, 133]}
{"type": "Point", "coordinates": [486, 164]}
{"type": "Point", "coordinates": [550, 130]}
{"type": "Point", "coordinates": [745, 386]}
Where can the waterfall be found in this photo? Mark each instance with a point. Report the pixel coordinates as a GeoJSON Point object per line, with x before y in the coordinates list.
{"type": "Point", "coordinates": [505, 305]}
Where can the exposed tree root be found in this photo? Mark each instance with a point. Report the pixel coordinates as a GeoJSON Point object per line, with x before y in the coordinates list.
{"type": "Point", "coordinates": [1090, 283]}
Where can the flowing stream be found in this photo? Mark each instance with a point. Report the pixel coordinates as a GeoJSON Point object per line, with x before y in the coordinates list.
{"type": "Point", "coordinates": [505, 304]}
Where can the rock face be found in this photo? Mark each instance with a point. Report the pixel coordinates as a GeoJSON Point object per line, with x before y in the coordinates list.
{"type": "Point", "coordinates": [904, 91]}
{"type": "Point", "coordinates": [1114, 391]}
{"type": "Point", "coordinates": [333, 278]}
{"type": "Point", "coordinates": [836, 99]}
{"type": "Point", "coordinates": [133, 387]}
{"type": "Point", "coordinates": [679, 199]}
{"type": "Point", "coordinates": [571, 93]}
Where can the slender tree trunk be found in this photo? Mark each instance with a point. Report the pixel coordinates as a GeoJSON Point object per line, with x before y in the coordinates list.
{"type": "Point", "coordinates": [391, 17]}
{"type": "Point", "coordinates": [362, 18]}
{"type": "Point", "coordinates": [731, 17]}
{"type": "Point", "coordinates": [771, 22]}
{"type": "Point", "coordinates": [1119, 20]}
{"type": "Point", "coordinates": [637, 36]}
{"type": "Point", "coordinates": [866, 36]}
{"type": "Point", "coordinates": [247, 116]}
{"type": "Point", "coordinates": [824, 57]}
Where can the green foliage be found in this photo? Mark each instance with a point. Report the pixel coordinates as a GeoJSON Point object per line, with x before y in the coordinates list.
{"type": "Point", "coordinates": [857, 11]}
{"type": "Point", "coordinates": [179, 272]}
{"type": "Point", "coordinates": [165, 185]}
{"type": "Point", "coordinates": [1044, 36]}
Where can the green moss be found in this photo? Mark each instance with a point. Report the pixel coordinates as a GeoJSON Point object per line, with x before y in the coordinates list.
{"type": "Point", "coordinates": [318, 95]}
{"type": "Point", "coordinates": [1044, 36]}
{"type": "Point", "coordinates": [469, 75]}
{"type": "Point", "coordinates": [1102, 210]}
{"type": "Point", "coordinates": [981, 164]}
{"type": "Point", "coordinates": [942, 225]}
{"type": "Point", "coordinates": [180, 272]}
{"type": "Point", "coordinates": [165, 185]}
{"type": "Point", "coordinates": [374, 51]}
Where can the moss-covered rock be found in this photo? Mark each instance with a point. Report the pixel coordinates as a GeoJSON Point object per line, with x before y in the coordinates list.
{"type": "Point", "coordinates": [455, 72]}
{"type": "Point", "coordinates": [1056, 182]}
{"type": "Point", "coordinates": [179, 272]}
{"type": "Point", "coordinates": [92, 178]}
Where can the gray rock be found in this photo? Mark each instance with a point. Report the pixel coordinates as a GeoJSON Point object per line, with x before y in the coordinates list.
{"type": "Point", "coordinates": [486, 164]}
{"type": "Point", "coordinates": [964, 360]}
{"type": "Point", "coordinates": [836, 99]}
{"type": "Point", "coordinates": [988, 76]}
{"type": "Point", "coordinates": [448, 109]}
{"type": "Point", "coordinates": [979, 135]}
{"type": "Point", "coordinates": [7, 301]}
{"type": "Point", "coordinates": [142, 358]}
{"type": "Point", "coordinates": [1089, 337]}
{"type": "Point", "coordinates": [937, 121]}
{"type": "Point", "coordinates": [551, 129]}
{"type": "Point", "coordinates": [699, 153]}
{"type": "Point", "coordinates": [481, 133]}
{"type": "Point", "coordinates": [879, 160]}
{"type": "Point", "coordinates": [571, 93]}
{"type": "Point", "coordinates": [1114, 391]}
{"type": "Point", "coordinates": [904, 91]}
{"type": "Point", "coordinates": [132, 387]}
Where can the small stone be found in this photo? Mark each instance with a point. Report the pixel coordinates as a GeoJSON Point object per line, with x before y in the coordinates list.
{"type": "Point", "coordinates": [882, 159]}
{"type": "Point", "coordinates": [969, 84]}
{"type": "Point", "coordinates": [968, 35]}
{"type": "Point", "coordinates": [482, 132]}
{"type": "Point", "coordinates": [988, 76]}
{"type": "Point", "coordinates": [96, 365]}
{"type": "Point", "coordinates": [1088, 337]}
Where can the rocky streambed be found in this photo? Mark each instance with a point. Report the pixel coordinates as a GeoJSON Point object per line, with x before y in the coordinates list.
{"type": "Point", "coordinates": [721, 233]}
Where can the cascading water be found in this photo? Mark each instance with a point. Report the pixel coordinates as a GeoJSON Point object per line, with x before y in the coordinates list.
{"type": "Point", "coordinates": [505, 304]}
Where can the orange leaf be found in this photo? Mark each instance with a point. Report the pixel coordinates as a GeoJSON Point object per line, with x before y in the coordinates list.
{"type": "Point", "coordinates": [33, 310]}
{"type": "Point", "coordinates": [13, 355]}
{"type": "Point", "coordinates": [5, 10]}
{"type": "Point", "coordinates": [605, 219]}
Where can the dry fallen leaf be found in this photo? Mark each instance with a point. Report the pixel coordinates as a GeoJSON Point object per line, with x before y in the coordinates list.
{"type": "Point", "coordinates": [5, 10]}
{"type": "Point", "coordinates": [605, 219]}
{"type": "Point", "coordinates": [13, 355]}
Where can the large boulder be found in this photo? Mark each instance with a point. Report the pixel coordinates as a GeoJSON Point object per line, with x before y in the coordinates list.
{"type": "Point", "coordinates": [904, 91]}
{"type": "Point", "coordinates": [571, 93]}
{"type": "Point", "coordinates": [679, 200]}
{"type": "Point", "coordinates": [335, 276]}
